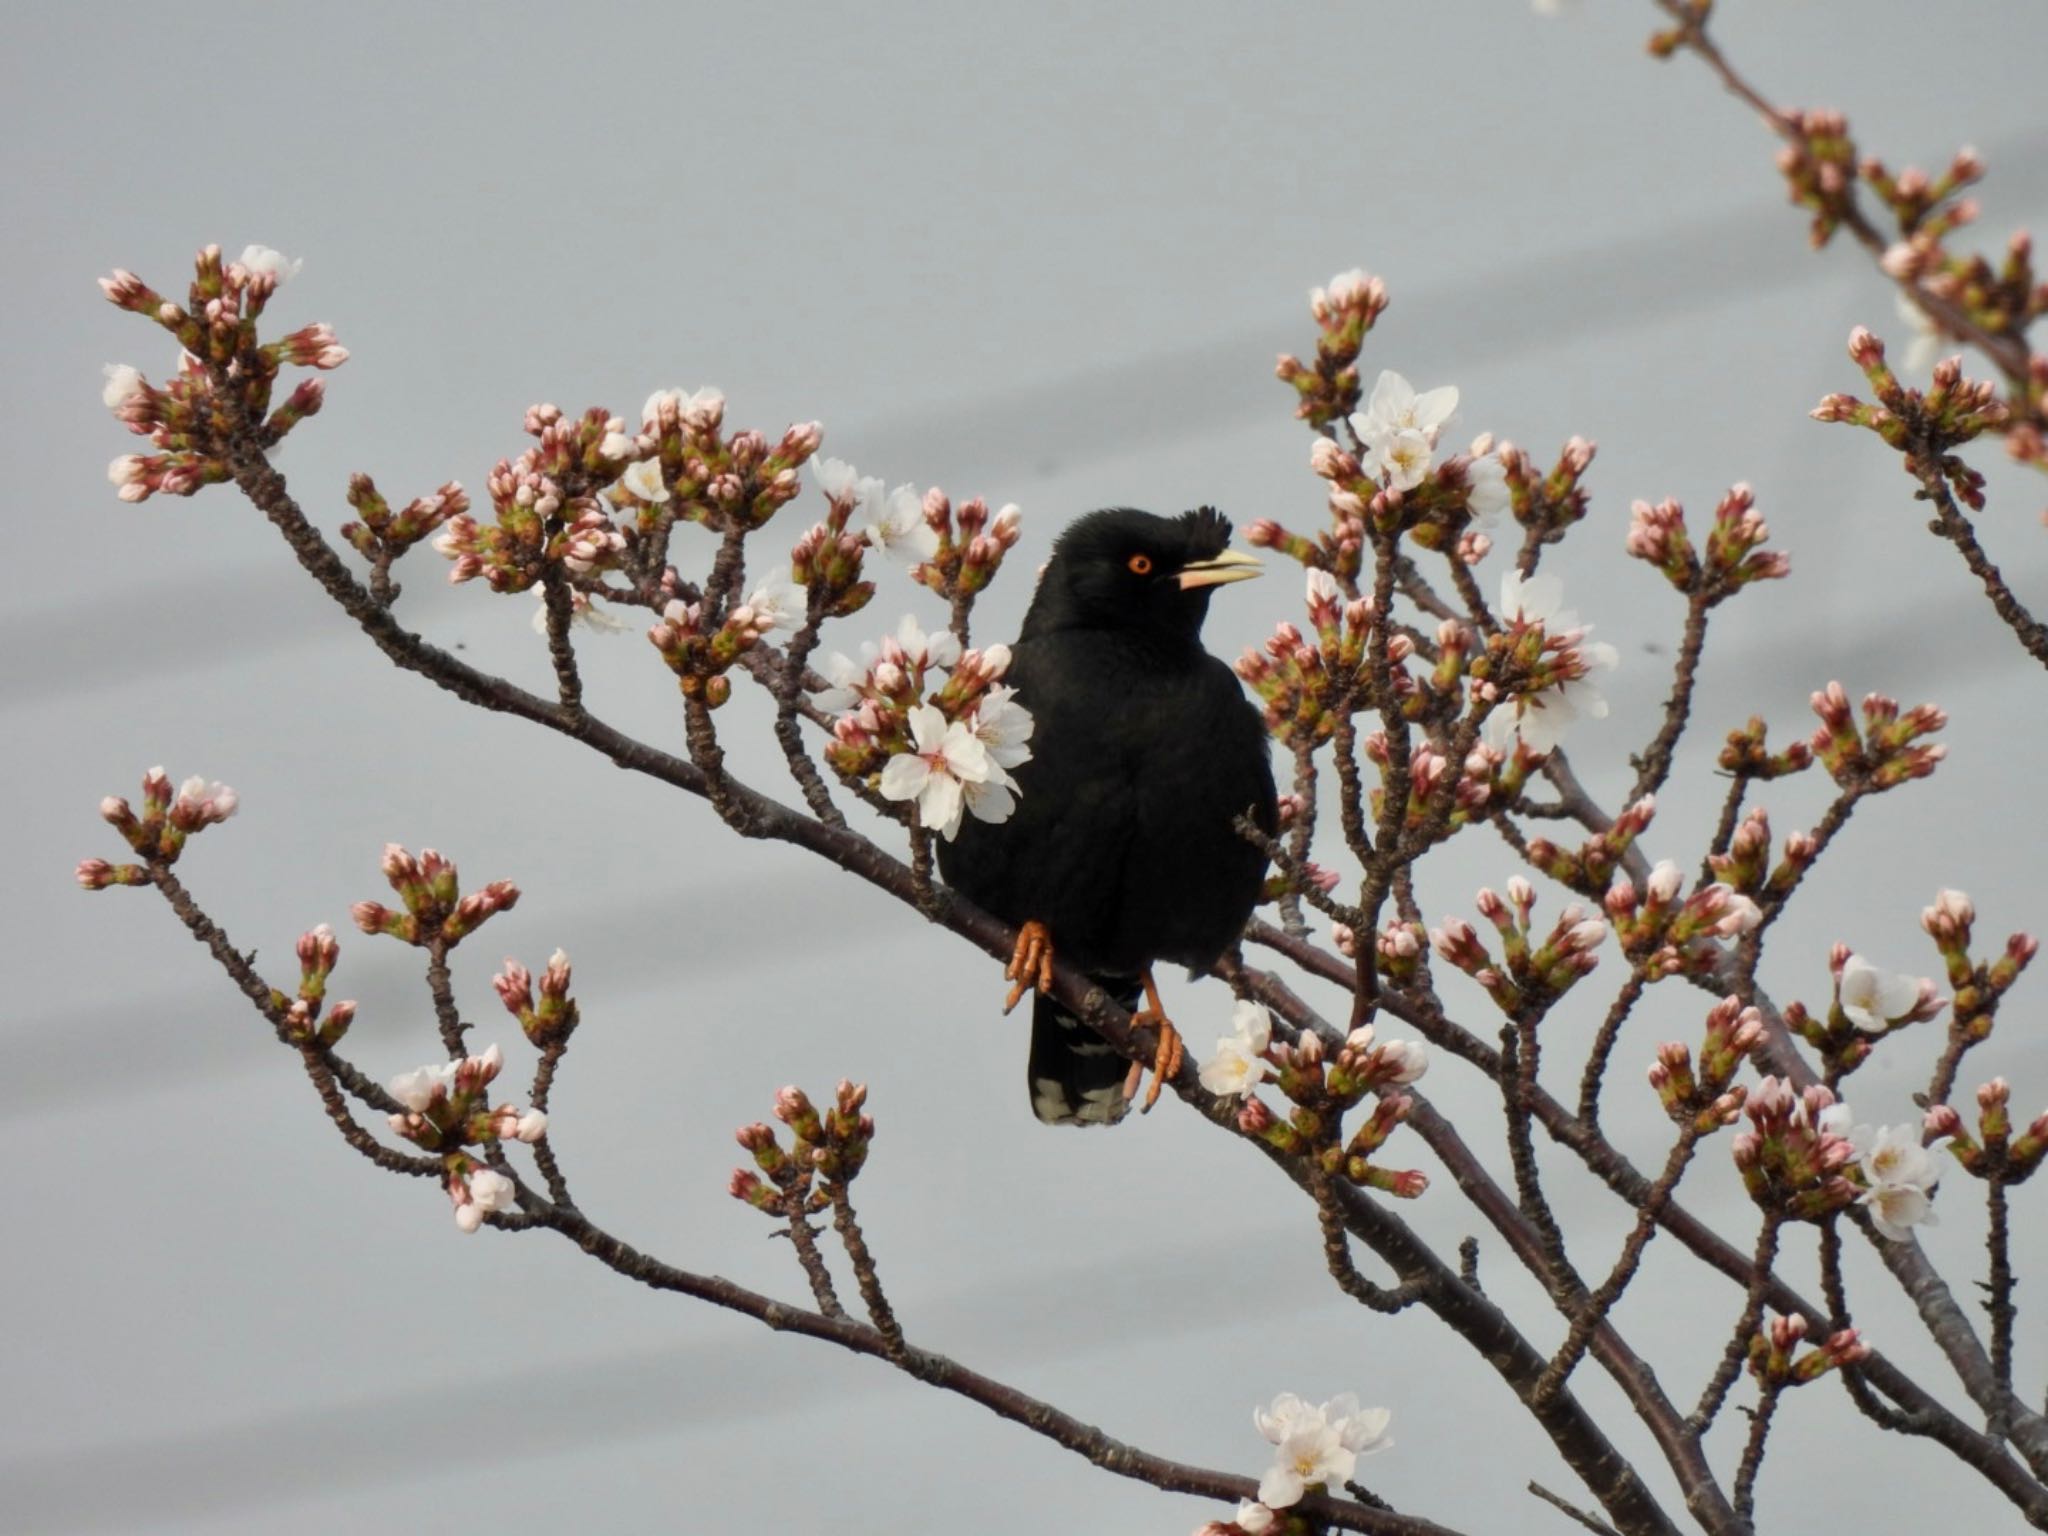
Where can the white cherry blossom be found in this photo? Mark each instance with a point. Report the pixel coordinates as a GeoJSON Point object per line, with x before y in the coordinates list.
{"type": "Point", "coordinates": [1541, 719]}
{"type": "Point", "coordinates": [1234, 1069]}
{"type": "Point", "coordinates": [1396, 407]}
{"type": "Point", "coordinates": [1363, 1430]}
{"type": "Point", "coordinates": [643, 479]}
{"type": "Point", "coordinates": [1002, 726]}
{"type": "Point", "coordinates": [1488, 497]}
{"type": "Point", "coordinates": [124, 383]}
{"type": "Point", "coordinates": [947, 756]}
{"type": "Point", "coordinates": [1286, 1412]}
{"type": "Point", "coordinates": [840, 481]}
{"type": "Point", "coordinates": [262, 259]}
{"type": "Point", "coordinates": [1900, 1175]}
{"type": "Point", "coordinates": [941, 648]}
{"type": "Point", "coordinates": [778, 601]}
{"type": "Point", "coordinates": [1311, 1453]}
{"type": "Point", "coordinates": [1238, 1066]}
{"type": "Point", "coordinates": [1404, 457]}
{"type": "Point", "coordinates": [845, 675]}
{"type": "Point", "coordinates": [896, 525]}
{"type": "Point", "coordinates": [1871, 999]}
{"type": "Point", "coordinates": [415, 1089]}
{"type": "Point", "coordinates": [488, 1191]}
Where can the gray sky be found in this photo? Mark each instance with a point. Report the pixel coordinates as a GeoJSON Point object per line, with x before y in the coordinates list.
{"type": "Point", "coordinates": [1044, 255]}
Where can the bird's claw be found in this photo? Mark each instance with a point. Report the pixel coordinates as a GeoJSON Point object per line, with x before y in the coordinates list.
{"type": "Point", "coordinates": [1166, 1059]}
{"type": "Point", "coordinates": [1030, 967]}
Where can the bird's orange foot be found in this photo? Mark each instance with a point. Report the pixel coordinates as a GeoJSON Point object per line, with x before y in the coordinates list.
{"type": "Point", "coordinates": [1165, 1060]}
{"type": "Point", "coordinates": [1030, 967]}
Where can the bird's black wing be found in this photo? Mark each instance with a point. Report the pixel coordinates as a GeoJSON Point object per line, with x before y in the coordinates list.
{"type": "Point", "coordinates": [1060, 856]}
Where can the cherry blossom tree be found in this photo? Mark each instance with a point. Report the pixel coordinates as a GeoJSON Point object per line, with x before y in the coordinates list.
{"type": "Point", "coordinates": [1415, 702]}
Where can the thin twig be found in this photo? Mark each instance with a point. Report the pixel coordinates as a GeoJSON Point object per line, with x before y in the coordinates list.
{"type": "Point", "coordinates": [847, 1225]}
{"type": "Point", "coordinates": [1601, 1302]}
{"type": "Point", "coordinates": [1716, 1391]}
{"type": "Point", "coordinates": [1595, 1073]}
{"type": "Point", "coordinates": [1653, 764]}
{"type": "Point", "coordinates": [803, 1237]}
{"type": "Point", "coordinates": [1999, 1302]}
{"type": "Point", "coordinates": [1337, 1257]}
{"type": "Point", "coordinates": [1598, 1527]}
{"type": "Point", "coordinates": [442, 988]}
{"type": "Point", "coordinates": [561, 612]}
{"type": "Point", "coordinates": [1753, 1449]}
{"type": "Point", "coordinates": [1951, 523]}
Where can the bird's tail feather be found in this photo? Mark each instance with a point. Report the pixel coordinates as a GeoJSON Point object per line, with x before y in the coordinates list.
{"type": "Point", "coordinates": [1076, 1077]}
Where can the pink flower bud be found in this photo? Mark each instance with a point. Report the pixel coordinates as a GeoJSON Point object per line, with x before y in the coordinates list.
{"type": "Point", "coordinates": [1941, 1120]}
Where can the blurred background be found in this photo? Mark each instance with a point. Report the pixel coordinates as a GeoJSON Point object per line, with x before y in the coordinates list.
{"type": "Point", "coordinates": [1045, 254]}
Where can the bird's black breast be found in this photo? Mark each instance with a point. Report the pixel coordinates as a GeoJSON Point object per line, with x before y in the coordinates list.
{"type": "Point", "coordinates": [1123, 841]}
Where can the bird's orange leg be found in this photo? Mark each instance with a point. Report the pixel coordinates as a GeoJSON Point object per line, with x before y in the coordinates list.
{"type": "Point", "coordinates": [1030, 967]}
{"type": "Point", "coordinates": [1166, 1060]}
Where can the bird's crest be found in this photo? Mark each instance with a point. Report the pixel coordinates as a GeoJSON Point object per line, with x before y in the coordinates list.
{"type": "Point", "coordinates": [1208, 532]}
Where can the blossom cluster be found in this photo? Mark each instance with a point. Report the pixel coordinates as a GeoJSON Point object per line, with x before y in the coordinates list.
{"type": "Point", "coordinates": [1394, 478]}
{"type": "Point", "coordinates": [1806, 1160]}
{"type": "Point", "coordinates": [216, 327]}
{"type": "Point", "coordinates": [1665, 935]}
{"type": "Point", "coordinates": [947, 750]}
{"type": "Point", "coordinates": [1868, 1003]}
{"type": "Point", "coordinates": [970, 543]}
{"type": "Point", "coordinates": [1776, 1360]}
{"type": "Point", "coordinates": [1315, 1446]}
{"type": "Point", "coordinates": [1925, 425]}
{"type": "Point", "coordinates": [1887, 751]}
{"type": "Point", "coordinates": [1792, 1158]}
{"type": "Point", "coordinates": [1942, 290]}
{"type": "Point", "coordinates": [1706, 1096]}
{"type": "Point", "coordinates": [1307, 685]}
{"type": "Point", "coordinates": [593, 495]}
{"type": "Point", "coordinates": [1589, 868]}
{"type": "Point", "coordinates": [1543, 664]}
{"type": "Point", "coordinates": [384, 534]}
{"type": "Point", "coordinates": [701, 646]}
{"type": "Point", "coordinates": [550, 1022]}
{"type": "Point", "coordinates": [1322, 1086]}
{"type": "Point", "coordinates": [444, 1107]}
{"type": "Point", "coordinates": [1995, 1151]}
{"type": "Point", "coordinates": [444, 1104]}
{"type": "Point", "coordinates": [435, 908]}
{"type": "Point", "coordinates": [955, 551]}
{"type": "Point", "coordinates": [1898, 1175]}
{"type": "Point", "coordinates": [831, 1144]}
{"type": "Point", "coordinates": [1444, 793]}
{"type": "Point", "coordinates": [1979, 986]}
{"type": "Point", "coordinates": [1543, 969]}
{"type": "Point", "coordinates": [318, 952]}
{"type": "Point", "coordinates": [168, 820]}
{"type": "Point", "coordinates": [1734, 556]}
{"type": "Point", "coordinates": [1344, 311]}
{"type": "Point", "coordinates": [1745, 865]}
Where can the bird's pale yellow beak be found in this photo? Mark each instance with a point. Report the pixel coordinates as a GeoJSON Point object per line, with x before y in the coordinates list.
{"type": "Point", "coordinates": [1231, 565]}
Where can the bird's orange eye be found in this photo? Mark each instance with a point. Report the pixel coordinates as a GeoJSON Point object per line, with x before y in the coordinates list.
{"type": "Point", "coordinates": [1140, 565]}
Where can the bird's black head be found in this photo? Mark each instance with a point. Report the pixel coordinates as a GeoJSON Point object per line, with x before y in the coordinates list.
{"type": "Point", "coordinates": [1129, 570]}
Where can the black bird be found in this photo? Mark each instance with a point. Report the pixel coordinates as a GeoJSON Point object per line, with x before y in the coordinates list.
{"type": "Point", "coordinates": [1122, 851]}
